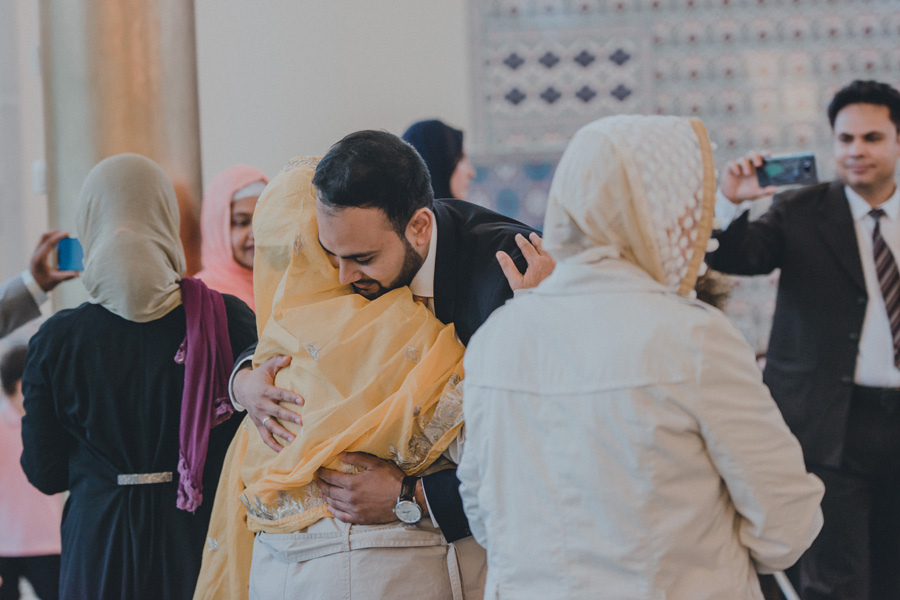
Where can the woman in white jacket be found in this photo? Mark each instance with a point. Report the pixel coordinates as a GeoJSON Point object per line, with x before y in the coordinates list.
{"type": "Point", "coordinates": [620, 441]}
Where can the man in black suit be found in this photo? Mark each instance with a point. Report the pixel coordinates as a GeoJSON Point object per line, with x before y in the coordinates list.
{"type": "Point", "coordinates": [834, 350]}
{"type": "Point", "coordinates": [382, 229]}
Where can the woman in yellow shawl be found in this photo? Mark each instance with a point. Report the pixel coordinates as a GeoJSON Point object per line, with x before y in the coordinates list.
{"type": "Point", "coordinates": [378, 376]}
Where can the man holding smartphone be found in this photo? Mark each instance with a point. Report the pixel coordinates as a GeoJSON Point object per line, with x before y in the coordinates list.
{"type": "Point", "coordinates": [22, 296]}
{"type": "Point", "coordinates": [834, 350]}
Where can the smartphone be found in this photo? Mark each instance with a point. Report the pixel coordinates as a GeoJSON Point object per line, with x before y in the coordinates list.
{"type": "Point", "coordinates": [790, 169]}
{"type": "Point", "coordinates": [70, 256]}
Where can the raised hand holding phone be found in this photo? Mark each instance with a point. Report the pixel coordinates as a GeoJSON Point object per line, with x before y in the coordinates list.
{"type": "Point", "coordinates": [740, 183]}
{"type": "Point", "coordinates": [46, 275]}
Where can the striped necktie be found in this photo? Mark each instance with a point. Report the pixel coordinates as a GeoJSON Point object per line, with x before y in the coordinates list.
{"type": "Point", "coordinates": [888, 279]}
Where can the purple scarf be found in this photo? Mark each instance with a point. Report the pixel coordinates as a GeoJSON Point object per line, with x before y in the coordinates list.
{"type": "Point", "coordinates": [208, 360]}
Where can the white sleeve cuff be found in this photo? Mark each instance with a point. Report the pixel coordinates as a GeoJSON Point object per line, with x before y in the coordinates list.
{"type": "Point", "coordinates": [234, 371]}
{"type": "Point", "coordinates": [727, 211]}
{"type": "Point", "coordinates": [39, 295]}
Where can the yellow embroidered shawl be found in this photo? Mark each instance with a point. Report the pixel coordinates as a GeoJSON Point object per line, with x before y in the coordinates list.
{"type": "Point", "coordinates": [380, 376]}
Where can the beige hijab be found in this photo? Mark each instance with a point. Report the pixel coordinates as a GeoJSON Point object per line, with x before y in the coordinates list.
{"type": "Point", "coordinates": [128, 224]}
{"type": "Point", "coordinates": [639, 187]}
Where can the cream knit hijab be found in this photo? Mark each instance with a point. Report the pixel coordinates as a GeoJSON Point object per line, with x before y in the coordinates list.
{"type": "Point", "coordinates": [128, 224]}
{"type": "Point", "coordinates": [639, 187]}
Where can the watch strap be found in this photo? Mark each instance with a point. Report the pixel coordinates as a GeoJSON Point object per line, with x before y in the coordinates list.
{"type": "Point", "coordinates": [408, 488]}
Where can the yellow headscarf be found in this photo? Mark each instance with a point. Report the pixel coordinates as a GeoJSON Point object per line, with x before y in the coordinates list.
{"type": "Point", "coordinates": [128, 224]}
{"type": "Point", "coordinates": [380, 376]}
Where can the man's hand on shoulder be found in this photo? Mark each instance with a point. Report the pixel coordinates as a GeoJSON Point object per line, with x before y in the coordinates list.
{"type": "Point", "coordinates": [255, 390]}
{"type": "Point", "coordinates": [540, 263]}
{"type": "Point", "coordinates": [739, 182]}
{"type": "Point", "coordinates": [365, 498]}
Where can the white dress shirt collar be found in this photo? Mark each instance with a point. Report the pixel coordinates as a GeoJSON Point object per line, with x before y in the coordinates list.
{"type": "Point", "coordinates": [423, 282]}
{"type": "Point", "coordinates": [860, 208]}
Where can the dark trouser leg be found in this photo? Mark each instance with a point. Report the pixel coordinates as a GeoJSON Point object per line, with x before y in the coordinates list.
{"type": "Point", "coordinates": [43, 574]}
{"type": "Point", "coordinates": [9, 572]}
{"type": "Point", "coordinates": [857, 554]}
{"type": "Point", "coordinates": [886, 543]}
{"type": "Point", "coordinates": [885, 524]}
{"type": "Point", "coordinates": [836, 566]}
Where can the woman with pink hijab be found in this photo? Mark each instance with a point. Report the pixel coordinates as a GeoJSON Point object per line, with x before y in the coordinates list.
{"type": "Point", "coordinates": [225, 222]}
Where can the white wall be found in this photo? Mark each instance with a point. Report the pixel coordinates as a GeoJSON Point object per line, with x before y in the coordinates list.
{"type": "Point", "coordinates": [23, 213]}
{"type": "Point", "coordinates": [284, 78]}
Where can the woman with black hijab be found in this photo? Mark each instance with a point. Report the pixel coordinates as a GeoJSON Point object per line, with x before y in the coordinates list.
{"type": "Point", "coordinates": [441, 146]}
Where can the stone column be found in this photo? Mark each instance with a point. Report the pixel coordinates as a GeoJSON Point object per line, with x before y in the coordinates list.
{"type": "Point", "coordinates": [120, 76]}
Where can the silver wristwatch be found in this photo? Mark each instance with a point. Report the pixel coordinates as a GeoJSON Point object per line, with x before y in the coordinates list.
{"type": "Point", "coordinates": [407, 509]}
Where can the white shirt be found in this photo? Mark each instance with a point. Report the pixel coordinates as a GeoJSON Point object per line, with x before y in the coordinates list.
{"type": "Point", "coordinates": [423, 283]}
{"type": "Point", "coordinates": [39, 295]}
{"type": "Point", "coordinates": [875, 361]}
{"type": "Point", "coordinates": [633, 453]}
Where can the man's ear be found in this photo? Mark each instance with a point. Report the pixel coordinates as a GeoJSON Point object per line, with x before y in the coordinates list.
{"type": "Point", "coordinates": [418, 230]}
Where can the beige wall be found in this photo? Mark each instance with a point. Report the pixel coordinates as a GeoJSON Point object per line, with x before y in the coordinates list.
{"type": "Point", "coordinates": [283, 78]}
{"type": "Point", "coordinates": [23, 213]}
{"type": "Point", "coordinates": [278, 78]}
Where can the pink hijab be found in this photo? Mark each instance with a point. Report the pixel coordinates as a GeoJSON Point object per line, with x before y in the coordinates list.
{"type": "Point", "coordinates": [220, 271]}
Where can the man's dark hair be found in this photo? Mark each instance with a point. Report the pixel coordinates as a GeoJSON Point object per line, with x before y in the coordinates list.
{"type": "Point", "coordinates": [12, 365]}
{"type": "Point", "coordinates": [375, 169]}
{"type": "Point", "coordinates": [866, 92]}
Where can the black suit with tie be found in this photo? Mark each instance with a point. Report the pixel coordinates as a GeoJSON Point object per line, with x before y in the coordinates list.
{"type": "Point", "coordinates": [810, 364]}
{"type": "Point", "coordinates": [808, 234]}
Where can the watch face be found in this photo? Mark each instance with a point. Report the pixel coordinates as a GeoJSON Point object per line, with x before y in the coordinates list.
{"type": "Point", "coordinates": [408, 512]}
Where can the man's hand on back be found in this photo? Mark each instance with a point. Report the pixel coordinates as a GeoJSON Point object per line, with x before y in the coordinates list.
{"type": "Point", "coordinates": [365, 498]}
{"type": "Point", "coordinates": [255, 390]}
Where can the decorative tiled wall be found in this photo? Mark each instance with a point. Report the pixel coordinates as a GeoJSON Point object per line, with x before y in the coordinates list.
{"type": "Point", "coordinates": [514, 187]}
{"type": "Point", "coordinates": [758, 72]}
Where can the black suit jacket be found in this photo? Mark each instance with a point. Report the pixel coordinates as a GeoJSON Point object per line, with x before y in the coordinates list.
{"type": "Point", "coordinates": [809, 234]}
{"type": "Point", "coordinates": [468, 282]}
{"type": "Point", "coordinates": [468, 286]}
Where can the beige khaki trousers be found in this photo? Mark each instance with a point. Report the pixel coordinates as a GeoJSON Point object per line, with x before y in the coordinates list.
{"type": "Point", "coordinates": [332, 560]}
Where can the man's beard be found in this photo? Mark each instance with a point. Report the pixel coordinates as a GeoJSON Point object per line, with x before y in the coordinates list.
{"type": "Point", "coordinates": [412, 262]}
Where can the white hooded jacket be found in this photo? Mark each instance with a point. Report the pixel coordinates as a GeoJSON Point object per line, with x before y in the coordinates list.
{"type": "Point", "coordinates": [620, 441]}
